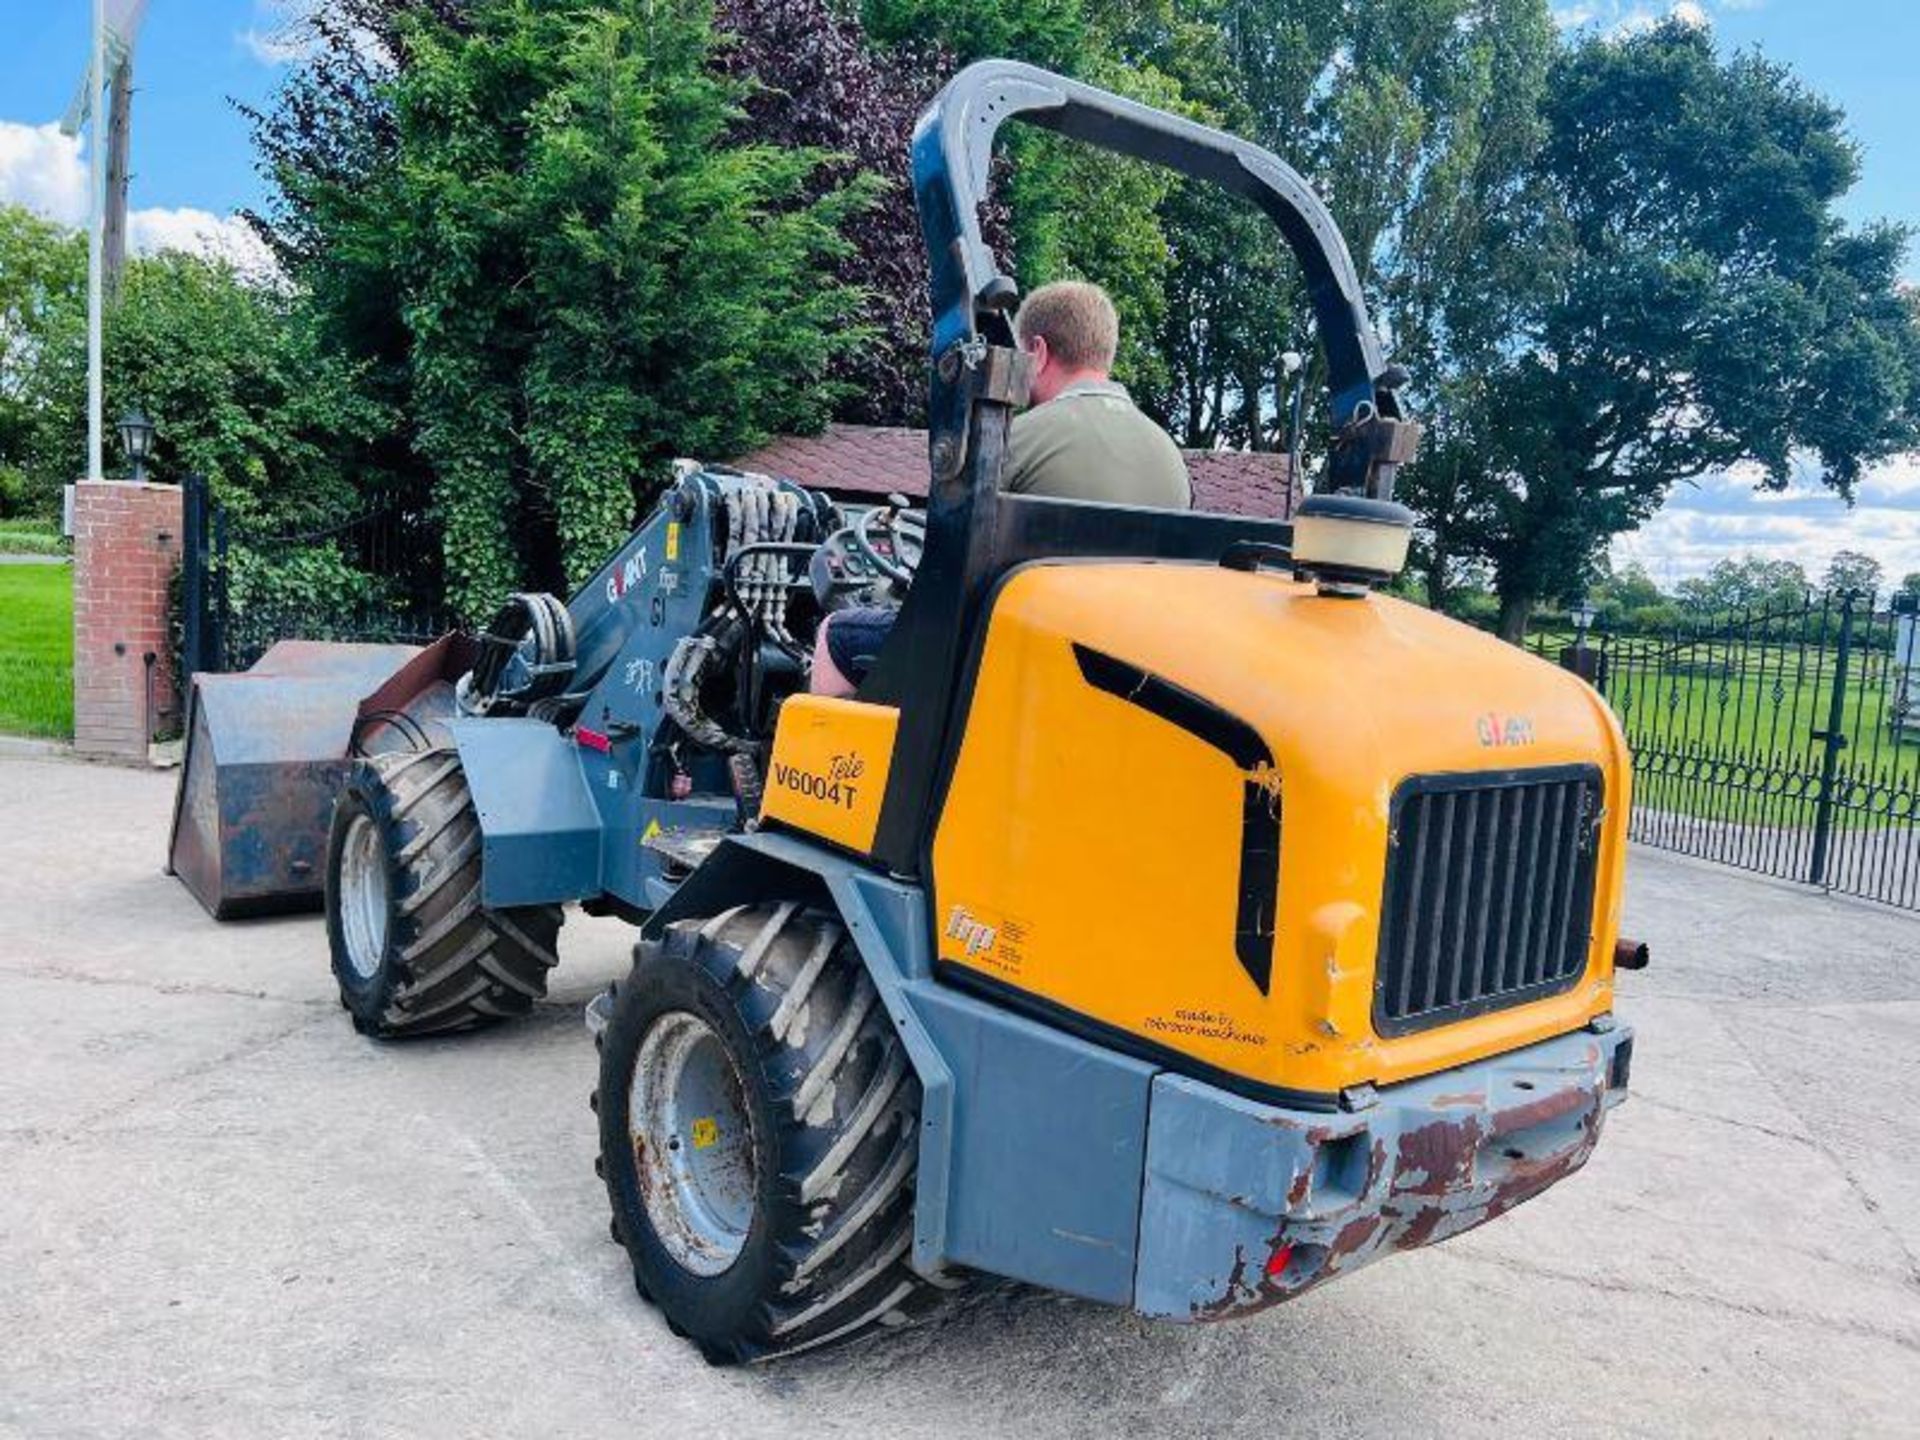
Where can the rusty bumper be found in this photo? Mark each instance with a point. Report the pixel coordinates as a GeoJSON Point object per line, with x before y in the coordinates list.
{"type": "Point", "coordinates": [1247, 1205]}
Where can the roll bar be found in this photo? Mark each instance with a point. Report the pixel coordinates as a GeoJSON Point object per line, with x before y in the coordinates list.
{"type": "Point", "coordinates": [952, 153]}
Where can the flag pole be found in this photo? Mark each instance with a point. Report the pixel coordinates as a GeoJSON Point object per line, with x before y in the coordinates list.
{"type": "Point", "coordinates": [96, 155]}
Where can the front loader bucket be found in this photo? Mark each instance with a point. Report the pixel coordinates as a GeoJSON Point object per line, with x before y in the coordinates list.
{"type": "Point", "coordinates": [267, 750]}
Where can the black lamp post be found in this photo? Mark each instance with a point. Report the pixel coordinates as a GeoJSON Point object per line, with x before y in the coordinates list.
{"type": "Point", "coordinates": [1582, 612]}
{"type": "Point", "coordinates": [136, 438]}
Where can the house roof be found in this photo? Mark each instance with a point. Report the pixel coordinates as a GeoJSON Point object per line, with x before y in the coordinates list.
{"type": "Point", "coordinates": [859, 460]}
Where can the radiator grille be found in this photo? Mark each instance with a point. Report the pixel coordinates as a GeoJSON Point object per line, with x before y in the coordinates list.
{"type": "Point", "coordinates": [1489, 895]}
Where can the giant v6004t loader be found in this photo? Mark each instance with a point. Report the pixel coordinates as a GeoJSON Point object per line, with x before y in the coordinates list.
{"type": "Point", "coordinates": [1170, 919]}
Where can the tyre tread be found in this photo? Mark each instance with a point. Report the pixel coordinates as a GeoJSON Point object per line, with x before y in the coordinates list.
{"type": "Point", "coordinates": [453, 964]}
{"type": "Point", "coordinates": [846, 1104]}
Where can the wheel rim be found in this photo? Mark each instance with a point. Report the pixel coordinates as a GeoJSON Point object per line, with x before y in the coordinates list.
{"type": "Point", "coordinates": [692, 1138]}
{"type": "Point", "coordinates": [363, 896]}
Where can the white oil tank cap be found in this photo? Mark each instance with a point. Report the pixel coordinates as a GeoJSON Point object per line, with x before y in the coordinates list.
{"type": "Point", "coordinates": [1349, 543]}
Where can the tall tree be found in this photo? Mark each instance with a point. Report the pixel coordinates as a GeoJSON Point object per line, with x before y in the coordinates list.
{"type": "Point", "coordinates": [1747, 582]}
{"type": "Point", "coordinates": [1413, 118]}
{"type": "Point", "coordinates": [581, 271]}
{"type": "Point", "coordinates": [1680, 298]}
{"type": "Point", "coordinates": [231, 373]}
{"type": "Point", "coordinates": [43, 283]}
{"type": "Point", "coordinates": [1853, 571]}
{"type": "Point", "coordinates": [813, 82]}
{"type": "Point", "coordinates": [1071, 210]}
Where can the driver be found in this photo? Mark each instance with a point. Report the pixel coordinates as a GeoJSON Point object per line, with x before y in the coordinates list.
{"type": "Point", "coordinates": [1083, 439]}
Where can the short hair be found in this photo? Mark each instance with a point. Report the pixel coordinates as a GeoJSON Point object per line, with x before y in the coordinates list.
{"type": "Point", "coordinates": [1078, 320]}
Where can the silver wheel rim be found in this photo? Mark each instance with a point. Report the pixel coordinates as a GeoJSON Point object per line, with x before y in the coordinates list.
{"type": "Point", "coordinates": [363, 896]}
{"type": "Point", "coordinates": [692, 1138]}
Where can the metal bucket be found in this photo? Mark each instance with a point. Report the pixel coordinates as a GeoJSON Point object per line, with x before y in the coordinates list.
{"type": "Point", "coordinates": [268, 748]}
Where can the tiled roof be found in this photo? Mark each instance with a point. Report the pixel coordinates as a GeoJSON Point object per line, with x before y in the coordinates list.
{"type": "Point", "coordinates": [856, 460]}
{"type": "Point", "coordinates": [1241, 482]}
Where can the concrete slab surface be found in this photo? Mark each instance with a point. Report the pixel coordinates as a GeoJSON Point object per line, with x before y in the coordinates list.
{"type": "Point", "coordinates": [224, 1214]}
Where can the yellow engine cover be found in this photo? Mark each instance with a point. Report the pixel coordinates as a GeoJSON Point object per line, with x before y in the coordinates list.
{"type": "Point", "coordinates": [1090, 852]}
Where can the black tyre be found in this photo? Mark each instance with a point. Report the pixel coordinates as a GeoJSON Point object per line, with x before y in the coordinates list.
{"type": "Point", "coordinates": [758, 1136]}
{"type": "Point", "coordinates": [414, 951]}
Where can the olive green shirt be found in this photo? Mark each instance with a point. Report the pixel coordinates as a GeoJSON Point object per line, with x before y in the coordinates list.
{"type": "Point", "coordinates": [1091, 443]}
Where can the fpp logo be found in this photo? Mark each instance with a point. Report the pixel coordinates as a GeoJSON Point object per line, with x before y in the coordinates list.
{"type": "Point", "coordinates": [974, 934]}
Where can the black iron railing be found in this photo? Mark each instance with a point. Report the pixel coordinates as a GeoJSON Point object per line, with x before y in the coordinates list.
{"type": "Point", "coordinates": [1784, 739]}
{"type": "Point", "coordinates": [246, 585]}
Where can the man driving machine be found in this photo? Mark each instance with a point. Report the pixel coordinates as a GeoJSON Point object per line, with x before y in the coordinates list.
{"type": "Point", "coordinates": [1082, 439]}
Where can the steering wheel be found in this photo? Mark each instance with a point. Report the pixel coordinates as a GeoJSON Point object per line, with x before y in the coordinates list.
{"type": "Point", "coordinates": [906, 542]}
{"type": "Point", "coordinates": [837, 569]}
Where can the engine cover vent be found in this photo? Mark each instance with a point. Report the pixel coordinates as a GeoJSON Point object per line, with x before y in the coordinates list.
{"type": "Point", "coordinates": [1489, 893]}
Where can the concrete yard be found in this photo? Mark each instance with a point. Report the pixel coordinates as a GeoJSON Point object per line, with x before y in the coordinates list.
{"type": "Point", "coordinates": [224, 1214]}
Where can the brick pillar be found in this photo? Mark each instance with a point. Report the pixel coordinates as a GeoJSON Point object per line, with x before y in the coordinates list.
{"type": "Point", "coordinates": [126, 546]}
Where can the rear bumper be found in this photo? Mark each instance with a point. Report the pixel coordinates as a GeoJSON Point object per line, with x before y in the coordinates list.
{"type": "Point", "coordinates": [1246, 1205]}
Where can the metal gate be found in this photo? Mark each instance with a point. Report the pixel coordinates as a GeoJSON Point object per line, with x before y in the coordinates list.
{"type": "Point", "coordinates": [391, 551]}
{"type": "Point", "coordinates": [1784, 740]}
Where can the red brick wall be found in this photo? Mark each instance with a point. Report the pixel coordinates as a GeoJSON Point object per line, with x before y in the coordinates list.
{"type": "Point", "coordinates": [126, 545]}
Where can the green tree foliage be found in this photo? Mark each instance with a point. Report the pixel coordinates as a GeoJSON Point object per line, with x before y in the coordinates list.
{"type": "Point", "coordinates": [1412, 117]}
{"type": "Point", "coordinates": [533, 249]}
{"type": "Point", "coordinates": [1629, 600]}
{"type": "Point", "coordinates": [1683, 299]}
{"type": "Point", "coordinates": [43, 279]}
{"type": "Point", "coordinates": [1075, 211]}
{"type": "Point", "coordinates": [580, 272]}
{"type": "Point", "coordinates": [238, 390]}
{"type": "Point", "coordinates": [1747, 583]}
{"type": "Point", "coordinates": [1850, 570]}
{"type": "Point", "coordinates": [815, 83]}
{"type": "Point", "coordinates": [228, 370]}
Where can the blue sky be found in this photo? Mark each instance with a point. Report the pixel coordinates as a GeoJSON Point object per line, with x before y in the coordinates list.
{"type": "Point", "coordinates": [192, 169]}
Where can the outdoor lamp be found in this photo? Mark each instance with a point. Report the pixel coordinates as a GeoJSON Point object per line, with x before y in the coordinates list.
{"type": "Point", "coordinates": [1581, 612]}
{"type": "Point", "coordinates": [136, 438]}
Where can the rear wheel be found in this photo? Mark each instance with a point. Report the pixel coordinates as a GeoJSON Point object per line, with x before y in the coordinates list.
{"type": "Point", "coordinates": [414, 950]}
{"type": "Point", "coordinates": [758, 1136]}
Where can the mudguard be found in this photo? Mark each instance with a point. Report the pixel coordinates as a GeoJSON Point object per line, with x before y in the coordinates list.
{"type": "Point", "coordinates": [539, 827]}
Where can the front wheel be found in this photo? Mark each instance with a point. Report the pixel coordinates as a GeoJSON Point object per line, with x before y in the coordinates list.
{"type": "Point", "coordinates": [414, 950]}
{"type": "Point", "coordinates": [758, 1136]}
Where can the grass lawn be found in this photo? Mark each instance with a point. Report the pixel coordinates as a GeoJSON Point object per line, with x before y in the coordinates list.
{"type": "Point", "coordinates": [1757, 707]}
{"type": "Point", "coordinates": [36, 650]}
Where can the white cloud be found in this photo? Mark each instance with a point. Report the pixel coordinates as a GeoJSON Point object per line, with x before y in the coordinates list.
{"type": "Point", "coordinates": [1617, 18]}
{"type": "Point", "coordinates": [41, 169]}
{"type": "Point", "coordinates": [272, 48]}
{"type": "Point", "coordinates": [46, 172]}
{"type": "Point", "coordinates": [1724, 517]}
{"type": "Point", "coordinates": [280, 34]}
{"type": "Point", "coordinates": [200, 232]}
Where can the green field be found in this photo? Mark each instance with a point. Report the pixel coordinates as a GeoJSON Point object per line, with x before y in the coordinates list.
{"type": "Point", "coordinates": [1758, 704]}
{"type": "Point", "coordinates": [36, 650]}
